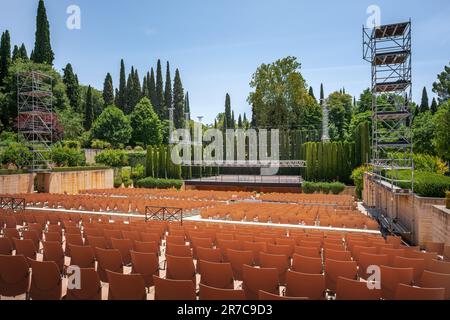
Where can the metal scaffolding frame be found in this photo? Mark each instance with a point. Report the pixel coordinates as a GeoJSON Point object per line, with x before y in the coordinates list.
{"type": "Point", "coordinates": [35, 116]}
{"type": "Point", "coordinates": [388, 49]}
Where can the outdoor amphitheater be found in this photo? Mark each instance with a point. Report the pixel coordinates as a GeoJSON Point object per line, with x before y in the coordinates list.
{"type": "Point", "coordinates": [209, 245]}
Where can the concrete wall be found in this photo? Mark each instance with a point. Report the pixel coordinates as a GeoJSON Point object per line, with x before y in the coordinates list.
{"type": "Point", "coordinates": [16, 183]}
{"type": "Point", "coordinates": [441, 224]}
{"type": "Point", "coordinates": [412, 211]}
{"type": "Point", "coordinates": [72, 182]}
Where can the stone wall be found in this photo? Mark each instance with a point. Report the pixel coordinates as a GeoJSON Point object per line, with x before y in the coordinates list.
{"type": "Point", "coordinates": [72, 182]}
{"type": "Point", "coordinates": [413, 212]}
{"type": "Point", "coordinates": [441, 224]}
{"type": "Point", "coordinates": [90, 155]}
{"type": "Point", "coordinates": [16, 183]}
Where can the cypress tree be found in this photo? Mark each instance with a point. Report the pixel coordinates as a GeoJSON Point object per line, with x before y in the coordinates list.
{"type": "Point", "coordinates": [159, 106]}
{"type": "Point", "coordinates": [149, 162]}
{"type": "Point", "coordinates": [72, 87]}
{"type": "Point", "coordinates": [162, 162]}
{"type": "Point", "coordinates": [136, 93]}
{"type": "Point", "coordinates": [5, 56]}
{"type": "Point", "coordinates": [23, 52]}
{"type": "Point", "coordinates": [108, 90]}
{"type": "Point", "coordinates": [187, 107]}
{"type": "Point", "coordinates": [334, 160]}
{"type": "Point", "coordinates": [424, 104]}
{"type": "Point", "coordinates": [42, 52]}
{"type": "Point", "coordinates": [322, 95]}
{"type": "Point", "coordinates": [178, 101]}
{"type": "Point", "coordinates": [156, 162]}
{"type": "Point", "coordinates": [240, 122]}
{"type": "Point", "coordinates": [129, 92]}
{"type": "Point", "coordinates": [15, 53]}
{"type": "Point", "coordinates": [233, 122]}
{"type": "Point", "coordinates": [227, 119]}
{"type": "Point", "coordinates": [89, 109]}
{"type": "Point", "coordinates": [320, 162]}
{"type": "Point", "coordinates": [145, 92]}
{"type": "Point", "coordinates": [152, 88]}
{"type": "Point", "coordinates": [311, 93]}
{"type": "Point", "coordinates": [339, 160]}
{"type": "Point", "coordinates": [121, 96]}
{"type": "Point", "coordinates": [434, 106]}
{"type": "Point", "coordinates": [168, 98]}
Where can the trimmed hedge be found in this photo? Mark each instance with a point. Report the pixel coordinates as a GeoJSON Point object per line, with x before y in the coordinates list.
{"type": "Point", "coordinates": [150, 182]}
{"type": "Point", "coordinates": [7, 172]}
{"type": "Point", "coordinates": [323, 187]}
{"type": "Point", "coordinates": [87, 168]}
{"type": "Point", "coordinates": [426, 184]}
{"type": "Point", "coordinates": [113, 158]}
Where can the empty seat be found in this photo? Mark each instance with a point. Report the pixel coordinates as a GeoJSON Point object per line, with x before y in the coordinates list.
{"type": "Point", "coordinates": [313, 252]}
{"type": "Point", "coordinates": [216, 275]}
{"type": "Point", "coordinates": [237, 260]}
{"type": "Point", "coordinates": [209, 254]}
{"type": "Point", "coordinates": [74, 239]}
{"type": "Point", "coordinates": [405, 292]}
{"type": "Point", "coordinates": [307, 264]}
{"type": "Point", "coordinates": [437, 247]}
{"type": "Point", "coordinates": [14, 275]}
{"type": "Point", "coordinates": [6, 247]}
{"type": "Point", "coordinates": [367, 259]}
{"type": "Point", "coordinates": [179, 250]}
{"type": "Point", "coordinates": [146, 247]}
{"type": "Point", "coordinates": [392, 253]}
{"type": "Point", "coordinates": [167, 289]}
{"type": "Point", "coordinates": [335, 269]}
{"type": "Point", "coordinates": [179, 240]}
{"type": "Point", "coordinates": [255, 279]}
{"type": "Point", "coordinates": [311, 286]}
{"type": "Point", "coordinates": [256, 248]}
{"type": "Point", "coordinates": [95, 242]}
{"type": "Point", "coordinates": [82, 256]}
{"type": "Point", "coordinates": [278, 261]}
{"type": "Point", "coordinates": [180, 268]}
{"type": "Point", "coordinates": [224, 245]}
{"type": "Point", "coordinates": [395, 241]}
{"type": "Point", "coordinates": [124, 246]}
{"type": "Point", "coordinates": [436, 280]}
{"type": "Point", "coordinates": [340, 255]}
{"type": "Point", "coordinates": [53, 236]}
{"type": "Point", "coordinates": [210, 293]}
{"type": "Point", "coordinates": [287, 250]}
{"type": "Point", "coordinates": [26, 248]}
{"type": "Point", "coordinates": [46, 281]}
{"type": "Point", "coordinates": [108, 259]}
{"type": "Point", "coordinates": [438, 266]}
{"type": "Point", "coordinates": [391, 277]}
{"type": "Point", "coordinates": [357, 250]}
{"type": "Point", "coordinates": [90, 286]}
{"type": "Point", "coordinates": [145, 264]}
{"type": "Point", "coordinates": [417, 264]}
{"type": "Point", "coordinates": [32, 235]}
{"type": "Point", "coordinates": [53, 252]}
{"type": "Point", "coordinates": [349, 289]}
{"type": "Point", "coordinates": [126, 286]}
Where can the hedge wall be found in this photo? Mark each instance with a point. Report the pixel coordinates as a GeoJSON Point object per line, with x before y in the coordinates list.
{"type": "Point", "coordinates": [150, 182]}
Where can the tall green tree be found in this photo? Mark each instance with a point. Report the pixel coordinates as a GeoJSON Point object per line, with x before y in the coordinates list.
{"type": "Point", "coordinates": [121, 96]}
{"type": "Point", "coordinates": [147, 128]}
{"type": "Point", "coordinates": [322, 95]}
{"type": "Point", "coordinates": [152, 88]}
{"type": "Point", "coordinates": [133, 90]}
{"type": "Point", "coordinates": [108, 90]}
{"type": "Point", "coordinates": [441, 140]}
{"type": "Point", "coordinates": [72, 88]}
{"type": "Point", "coordinates": [145, 91]}
{"type": "Point", "coordinates": [160, 108]}
{"type": "Point", "coordinates": [423, 132]}
{"type": "Point", "coordinates": [227, 120]}
{"type": "Point", "coordinates": [89, 110]}
{"type": "Point", "coordinates": [178, 101]}
{"type": "Point", "coordinates": [187, 107]}
{"type": "Point", "coordinates": [424, 104]}
{"type": "Point", "coordinates": [42, 52]}
{"type": "Point", "coordinates": [15, 53]}
{"type": "Point", "coordinates": [23, 52]}
{"type": "Point", "coordinates": [311, 93]}
{"type": "Point", "coordinates": [442, 86]}
{"type": "Point", "coordinates": [112, 126]}
{"type": "Point", "coordinates": [239, 124]}
{"type": "Point", "coordinates": [233, 121]}
{"type": "Point", "coordinates": [149, 170]}
{"type": "Point", "coordinates": [5, 56]}
{"type": "Point", "coordinates": [168, 98]}
{"type": "Point", "coordinates": [434, 106]}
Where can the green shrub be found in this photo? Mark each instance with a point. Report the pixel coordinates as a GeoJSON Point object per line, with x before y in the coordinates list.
{"type": "Point", "coordinates": [309, 187]}
{"type": "Point", "coordinates": [87, 168]}
{"type": "Point", "coordinates": [137, 172]}
{"type": "Point", "coordinates": [100, 144]}
{"type": "Point", "coordinates": [64, 156]}
{"type": "Point", "coordinates": [113, 158]}
{"type": "Point", "coordinates": [138, 149]}
{"type": "Point", "coordinates": [73, 144]}
{"type": "Point", "coordinates": [136, 158]}
{"type": "Point", "coordinates": [324, 187]}
{"type": "Point", "coordinates": [117, 182]}
{"type": "Point", "coordinates": [7, 172]}
{"type": "Point", "coordinates": [426, 184]}
{"type": "Point", "coordinates": [425, 162]}
{"type": "Point", "coordinates": [358, 179]}
{"type": "Point", "coordinates": [16, 154]}
{"type": "Point", "coordinates": [150, 182]}
{"type": "Point", "coordinates": [337, 187]}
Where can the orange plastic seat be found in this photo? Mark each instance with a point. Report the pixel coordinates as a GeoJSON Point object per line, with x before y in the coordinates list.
{"type": "Point", "coordinates": [255, 279]}
{"type": "Point", "coordinates": [46, 281]}
{"type": "Point", "coordinates": [210, 293]}
{"type": "Point", "coordinates": [349, 289]}
{"type": "Point", "coordinates": [90, 286]}
{"type": "Point", "coordinates": [307, 264]}
{"type": "Point", "coordinates": [335, 269]}
{"type": "Point", "coordinates": [216, 275]}
{"type": "Point", "coordinates": [405, 292]}
{"type": "Point", "coordinates": [392, 277]}
{"type": "Point", "coordinates": [307, 285]}
{"type": "Point", "coordinates": [126, 286]}
{"type": "Point", "coordinates": [167, 289]}
{"type": "Point", "coordinates": [14, 275]}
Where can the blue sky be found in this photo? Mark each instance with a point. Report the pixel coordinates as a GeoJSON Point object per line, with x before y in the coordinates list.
{"type": "Point", "coordinates": [218, 44]}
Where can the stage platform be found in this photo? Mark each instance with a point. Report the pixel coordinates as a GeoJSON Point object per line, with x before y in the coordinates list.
{"type": "Point", "coordinates": [291, 184]}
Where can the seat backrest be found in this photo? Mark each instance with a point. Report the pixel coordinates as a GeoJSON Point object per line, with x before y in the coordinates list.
{"type": "Point", "coordinates": [210, 293]}
{"type": "Point", "coordinates": [53, 251]}
{"type": "Point", "coordinates": [108, 259]}
{"type": "Point", "coordinates": [255, 279]}
{"type": "Point", "coordinates": [180, 268]}
{"type": "Point", "coordinates": [417, 264]}
{"type": "Point", "coordinates": [311, 286]}
{"type": "Point", "coordinates": [179, 250]}
{"type": "Point", "coordinates": [146, 247]}
{"type": "Point", "coordinates": [437, 247]}
{"type": "Point", "coordinates": [145, 264]}
{"type": "Point", "coordinates": [335, 269]}
{"type": "Point", "coordinates": [124, 246]}
{"type": "Point", "coordinates": [307, 264]}
{"type": "Point", "coordinates": [237, 260]}
{"type": "Point", "coordinates": [438, 266]}
{"type": "Point", "coordinates": [209, 254]}
{"type": "Point", "coordinates": [126, 286]}
{"type": "Point", "coordinates": [167, 289]}
{"type": "Point", "coordinates": [350, 289]}
{"type": "Point", "coordinates": [90, 286]}
{"type": "Point", "coordinates": [391, 277]}
{"type": "Point", "coordinates": [26, 247]}
{"type": "Point", "coordinates": [436, 280]}
{"type": "Point", "coordinates": [313, 252]}
{"type": "Point", "coordinates": [6, 246]}
{"type": "Point", "coordinates": [82, 256]}
{"type": "Point", "coordinates": [46, 281]}
{"type": "Point", "coordinates": [263, 295]}
{"type": "Point", "coordinates": [405, 292]}
{"type": "Point", "coordinates": [217, 275]}
{"type": "Point", "coordinates": [14, 275]}
{"type": "Point", "coordinates": [367, 259]}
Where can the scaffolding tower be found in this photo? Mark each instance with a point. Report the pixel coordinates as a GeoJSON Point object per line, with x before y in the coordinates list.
{"type": "Point", "coordinates": [388, 49]}
{"type": "Point", "coordinates": [35, 116]}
